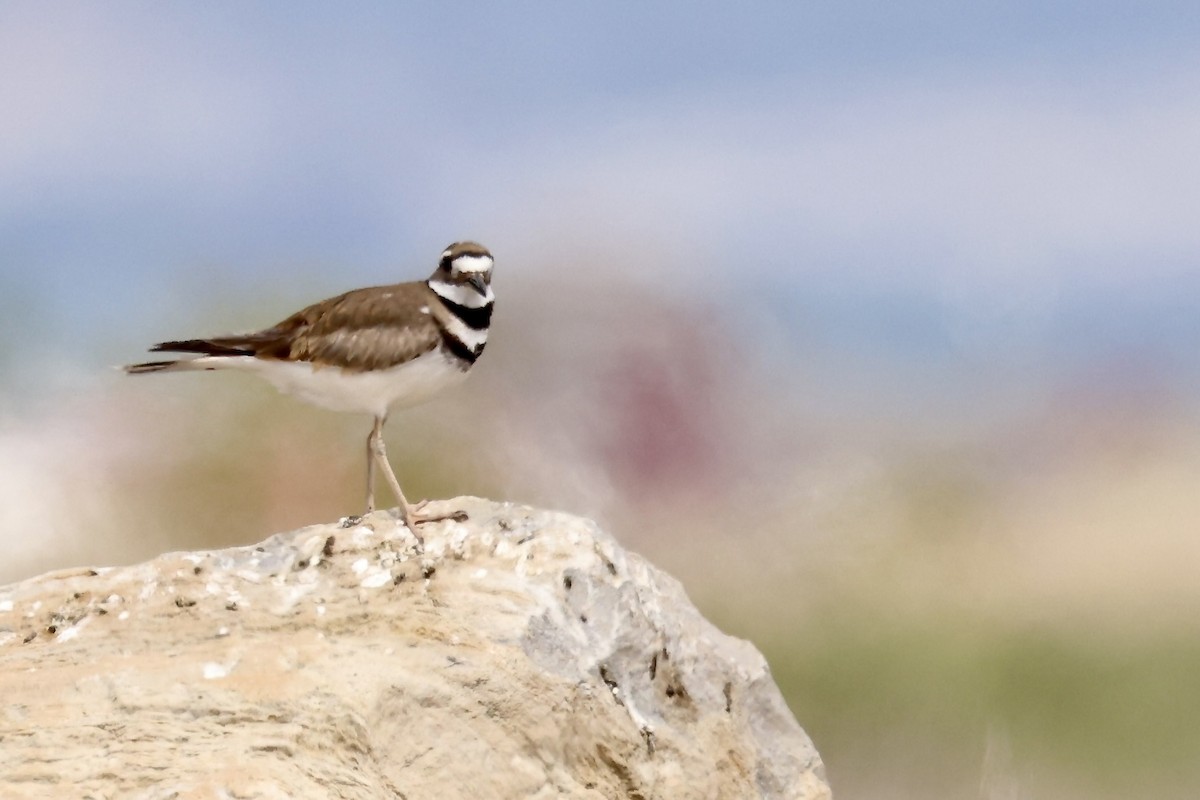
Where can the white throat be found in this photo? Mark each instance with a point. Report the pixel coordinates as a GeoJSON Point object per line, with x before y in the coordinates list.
{"type": "Point", "coordinates": [461, 295]}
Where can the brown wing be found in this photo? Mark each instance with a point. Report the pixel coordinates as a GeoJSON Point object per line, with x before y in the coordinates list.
{"type": "Point", "coordinates": [364, 329]}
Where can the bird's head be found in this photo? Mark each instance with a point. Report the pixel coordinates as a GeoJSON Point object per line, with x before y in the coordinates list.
{"type": "Point", "coordinates": [466, 264]}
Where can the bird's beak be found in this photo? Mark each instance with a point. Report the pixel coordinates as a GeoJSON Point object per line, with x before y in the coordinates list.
{"type": "Point", "coordinates": [478, 284]}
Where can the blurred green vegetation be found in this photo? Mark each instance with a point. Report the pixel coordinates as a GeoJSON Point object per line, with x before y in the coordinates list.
{"type": "Point", "coordinates": [933, 646]}
{"type": "Point", "coordinates": [1097, 712]}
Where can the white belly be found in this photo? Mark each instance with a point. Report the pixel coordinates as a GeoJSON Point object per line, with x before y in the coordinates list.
{"type": "Point", "coordinates": [372, 392]}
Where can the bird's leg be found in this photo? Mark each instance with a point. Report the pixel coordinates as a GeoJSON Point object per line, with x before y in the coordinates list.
{"type": "Point", "coordinates": [410, 514]}
{"type": "Point", "coordinates": [379, 454]}
{"type": "Point", "coordinates": [376, 433]}
{"type": "Point", "coordinates": [379, 451]}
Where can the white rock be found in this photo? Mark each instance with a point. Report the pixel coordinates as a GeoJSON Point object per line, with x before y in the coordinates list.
{"type": "Point", "coordinates": [533, 658]}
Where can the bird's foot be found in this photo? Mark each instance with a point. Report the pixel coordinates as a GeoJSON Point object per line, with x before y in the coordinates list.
{"type": "Point", "coordinates": [419, 514]}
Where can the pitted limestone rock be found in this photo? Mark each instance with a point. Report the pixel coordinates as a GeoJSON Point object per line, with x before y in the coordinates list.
{"type": "Point", "coordinates": [523, 653]}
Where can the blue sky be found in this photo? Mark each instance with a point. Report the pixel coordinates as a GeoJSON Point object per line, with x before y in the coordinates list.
{"type": "Point", "coordinates": [920, 177]}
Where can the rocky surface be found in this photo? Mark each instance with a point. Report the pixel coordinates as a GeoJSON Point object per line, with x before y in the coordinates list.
{"type": "Point", "coordinates": [523, 654]}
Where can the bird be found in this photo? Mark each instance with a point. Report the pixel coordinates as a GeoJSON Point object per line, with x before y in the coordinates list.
{"type": "Point", "coordinates": [366, 351]}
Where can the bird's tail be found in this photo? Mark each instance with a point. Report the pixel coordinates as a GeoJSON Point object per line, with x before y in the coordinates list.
{"type": "Point", "coordinates": [219, 346]}
{"type": "Point", "coordinates": [162, 366]}
{"type": "Point", "coordinates": [209, 354]}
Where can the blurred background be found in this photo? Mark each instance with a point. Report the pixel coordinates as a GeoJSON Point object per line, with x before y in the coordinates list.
{"type": "Point", "coordinates": [874, 323]}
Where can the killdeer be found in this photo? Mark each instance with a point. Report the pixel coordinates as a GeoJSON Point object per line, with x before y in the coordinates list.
{"type": "Point", "coordinates": [366, 351]}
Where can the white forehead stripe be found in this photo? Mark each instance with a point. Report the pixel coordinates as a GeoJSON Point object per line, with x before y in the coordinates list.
{"type": "Point", "coordinates": [472, 264]}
